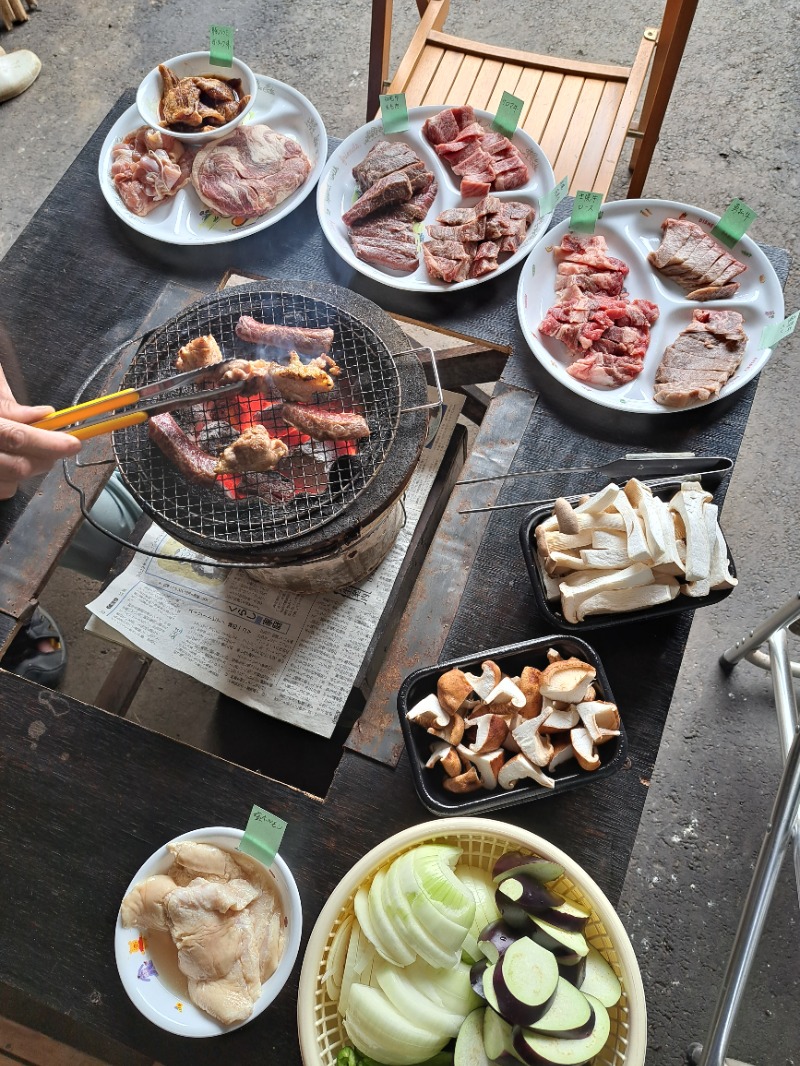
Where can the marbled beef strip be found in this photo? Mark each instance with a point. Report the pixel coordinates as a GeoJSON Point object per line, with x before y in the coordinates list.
{"type": "Point", "coordinates": [323, 424]}
{"type": "Point", "coordinates": [301, 339]}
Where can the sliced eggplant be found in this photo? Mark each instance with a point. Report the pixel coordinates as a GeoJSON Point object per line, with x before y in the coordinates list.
{"type": "Point", "coordinates": [489, 993]}
{"type": "Point", "coordinates": [553, 938]}
{"type": "Point", "coordinates": [469, 1049]}
{"type": "Point", "coordinates": [541, 1049]}
{"type": "Point", "coordinates": [498, 1039]}
{"type": "Point", "coordinates": [567, 915]}
{"type": "Point", "coordinates": [476, 972]}
{"type": "Point", "coordinates": [599, 979]}
{"type": "Point", "coordinates": [572, 969]}
{"type": "Point", "coordinates": [570, 1014]}
{"type": "Point", "coordinates": [528, 893]}
{"type": "Point", "coordinates": [517, 862]}
{"type": "Point", "coordinates": [496, 938]}
{"type": "Point", "coordinates": [524, 981]}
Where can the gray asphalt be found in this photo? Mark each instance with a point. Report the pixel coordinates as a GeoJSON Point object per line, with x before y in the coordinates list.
{"type": "Point", "coordinates": [731, 131]}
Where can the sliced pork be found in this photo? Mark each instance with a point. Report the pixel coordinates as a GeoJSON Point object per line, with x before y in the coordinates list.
{"type": "Point", "coordinates": [701, 359]}
{"type": "Point", "coordinates": [249, 172]}
{"type": "Point", "coordinates": [690, 256]}
{"type": "Point", "coordinates": [467, 242]}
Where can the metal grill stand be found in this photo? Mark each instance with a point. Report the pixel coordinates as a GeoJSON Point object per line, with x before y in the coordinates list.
{"type": "Point", "coordinates": [783, 828]}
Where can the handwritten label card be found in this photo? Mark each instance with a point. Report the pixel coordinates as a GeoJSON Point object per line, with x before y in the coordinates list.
{"type": "Point", "coordinates": [263, 835]}
{"type": "Point", "coordinates": [508, 114]}
{"type": "Point", "coordinates": [553, 198]}
{"type": "Point", "coordinates": [221, 46]}
{"type": "Point", "coordinates": [734, 223]}
{"type": "Point", "coordinates": [776, 331]}
{"type": "Point", "coordinates": [394, 113]}
{"type": "Point", "coordinates": [585, 211]}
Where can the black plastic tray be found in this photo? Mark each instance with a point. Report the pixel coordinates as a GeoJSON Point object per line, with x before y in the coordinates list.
{"type": "Point", "coordinates": [551, 609]}
{"type": "Point", "coordinates": [511, 660]}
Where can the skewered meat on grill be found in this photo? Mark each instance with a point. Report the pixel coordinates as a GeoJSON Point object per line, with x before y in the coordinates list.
{"type": "Point", "coordinates": [193, 462]}
{"type": "Point", "coordinates": [302, 339]}
{"type": "Point", "coordinates": [255, 450]}
{"type": "Point", "coordinates": [202, 351]}
{"type": "Point", "coordinates": [321, 423]}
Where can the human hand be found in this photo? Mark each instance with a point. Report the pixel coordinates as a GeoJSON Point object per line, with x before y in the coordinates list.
{"type": "Point", "coordinates": [24, 450]}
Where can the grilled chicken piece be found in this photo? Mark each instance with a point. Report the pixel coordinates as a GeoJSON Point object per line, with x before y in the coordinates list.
{"type": "Point", "coordinates": [202, 351]}
{"type": "Point", "coordinates": [300, 381]}
{"type": "Point", "coordinates": [180, 98]}
{"type": "Point", "coordinates": [321, 423]}
{"type": "Point", "coordinates": [254, 450]}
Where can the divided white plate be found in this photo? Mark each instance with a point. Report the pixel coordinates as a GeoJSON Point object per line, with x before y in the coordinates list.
{"type": "Point", "coordinates": [185, 219]}
{"type": "Point", "coordinates": [337, 186]}
{"type": "Point", "coordinates": [632, 229]}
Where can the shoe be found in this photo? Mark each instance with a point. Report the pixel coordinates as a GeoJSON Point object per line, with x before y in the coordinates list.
{"type": "Point", "coordinates": [18, 71]}
{"type": "Point", "coordinates": [38, 651]}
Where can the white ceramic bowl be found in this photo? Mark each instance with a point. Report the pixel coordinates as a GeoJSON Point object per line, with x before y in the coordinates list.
{"type": "Point", "coordinates": [483, 841]}
{"type": "Point", "coordinates": [148, 95]}
{"type": "Point", "coordinates": [157, 1001]}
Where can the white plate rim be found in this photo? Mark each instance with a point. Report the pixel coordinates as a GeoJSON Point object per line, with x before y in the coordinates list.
{"type": "Point", "coordinates": [131, 120]}
{"type": "Point", "coordinates": [417, 116]}
{"type": "Point", "coordinates": [193, 1022]}
{"type": "Point", "coordinates": [612, 398]}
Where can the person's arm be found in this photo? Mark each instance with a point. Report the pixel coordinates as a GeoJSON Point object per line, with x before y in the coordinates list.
{"type": "Point", "coordinates": [25, 451]}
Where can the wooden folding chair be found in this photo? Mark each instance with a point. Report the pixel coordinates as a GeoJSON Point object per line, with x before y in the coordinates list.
{"type": "Point", "coordinates": [580, 113]}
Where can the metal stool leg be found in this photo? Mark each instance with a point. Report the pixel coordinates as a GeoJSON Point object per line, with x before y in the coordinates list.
{"type": "Point", "coordinates": [759, 896]}
{"type": "Point", "coordinates": [785, 616]}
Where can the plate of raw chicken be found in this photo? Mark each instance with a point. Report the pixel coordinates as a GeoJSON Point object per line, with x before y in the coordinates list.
{"type": "Point", "coordinates": [182, 195]}
{"type": "Point", "coordinates": [446, 204]}
{"type": "Point", "coordinates": [650, 313]}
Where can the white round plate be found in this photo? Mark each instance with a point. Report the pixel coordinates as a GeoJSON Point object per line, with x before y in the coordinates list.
{"type": "Point", "coordinates": [632, 229]}
{"type": "Point", "coordinates": [337, 189]}
{"type": "Point", "coordinates": [159, 1003]}
{"type": "Point", "coordinates": [184, 218]}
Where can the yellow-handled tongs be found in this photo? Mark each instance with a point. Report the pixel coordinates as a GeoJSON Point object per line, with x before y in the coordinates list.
{"type": "Point", "coordinates": [83, 420]}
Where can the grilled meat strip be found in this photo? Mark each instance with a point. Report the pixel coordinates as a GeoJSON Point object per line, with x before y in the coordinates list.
{"type": "Point", "coordinates": [321, 423]}
{"type": "Point", "coordinates": [301, 339]}
{"type": "Point", "coordinates": [195, 464]}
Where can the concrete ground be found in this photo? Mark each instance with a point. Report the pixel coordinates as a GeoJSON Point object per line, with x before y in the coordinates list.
{"type": "Point", "coordinates": [731, 130]}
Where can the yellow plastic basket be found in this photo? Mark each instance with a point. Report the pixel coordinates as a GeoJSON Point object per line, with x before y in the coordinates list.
{"type": "Point", "coordinates": [483, 840]}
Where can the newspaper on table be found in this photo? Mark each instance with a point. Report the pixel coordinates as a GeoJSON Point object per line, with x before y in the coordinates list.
{"type": "Point", "coordinates": [294, 657]}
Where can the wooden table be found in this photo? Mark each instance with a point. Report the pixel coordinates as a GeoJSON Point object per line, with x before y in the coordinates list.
{"type": "Point", "coordinates": [87, 796]}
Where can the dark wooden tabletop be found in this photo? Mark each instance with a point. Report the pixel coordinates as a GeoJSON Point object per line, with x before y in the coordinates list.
{"type": "Point", "coordinates": [87, 796]}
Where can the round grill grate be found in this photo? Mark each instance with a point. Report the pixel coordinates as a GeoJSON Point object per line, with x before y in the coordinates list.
{"type": "Point", "coordinates": [324, 484]}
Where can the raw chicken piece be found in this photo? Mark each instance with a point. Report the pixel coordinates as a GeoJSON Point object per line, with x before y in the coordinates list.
{"type": "Point", "coordinates": [254, 450]}
{"type": "Point", "coordinates": [144, 906]}
{"type": "Point", "coordinates": [203, 860]}
{"type": "Point", "coordinates": [149, 167]}
{"type": "Point", "coordinates": [202, 351]}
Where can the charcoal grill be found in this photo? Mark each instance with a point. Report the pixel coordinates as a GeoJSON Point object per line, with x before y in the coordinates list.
{"type": "Point", "coordinates": [376, 379]}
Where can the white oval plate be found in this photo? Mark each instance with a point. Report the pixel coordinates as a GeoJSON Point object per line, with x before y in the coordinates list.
{"type": "Point", "coordinates": [156, 1001]}
{"type": "Point", "coordinates": [337, 187]}
{"type": "Point", "coordinates": [184, 218]}
{"type": "Point", "coordinates": [632, 229]}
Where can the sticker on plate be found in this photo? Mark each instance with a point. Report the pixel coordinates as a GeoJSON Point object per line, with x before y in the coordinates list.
{"type": "Point", "coordinates": [734, 223]}
{"type": "Point", "coordinates": [553, 198]}
{"type": "Point", "coordinates": [221, 46]}
{"type": "Point", "coordinates": [394, 113]}
{"type": "Point", "coordinates": [585, 211]}
{"type": "Point", "coordinates": [263, 835]}
{"type": "Point", "coordinates": [776, 331]}
{"type": "Point", "coordinates": [508, 114]}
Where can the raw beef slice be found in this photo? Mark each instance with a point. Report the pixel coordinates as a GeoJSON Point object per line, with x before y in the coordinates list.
{"type": "Point", "coordinates": [250, 172]}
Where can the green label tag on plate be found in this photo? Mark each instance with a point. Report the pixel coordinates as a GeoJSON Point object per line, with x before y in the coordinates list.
{"type": "Point", "coordinates": [221, 46]}
{"type": "Point", "coordinates": [770, 335]}
{"type": "Point", "coordinates": [585, 211]}
{"type": "Point", "coordinates": [734, 223]}
{"type": "Point", "coordinates": [508, 114]}
{"type": "Point", "coordinates": [263, 835]}
{"type": "Point", "coordinates": [394, 112]}
{"type": "Point", "coordinates": [551, 199]}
